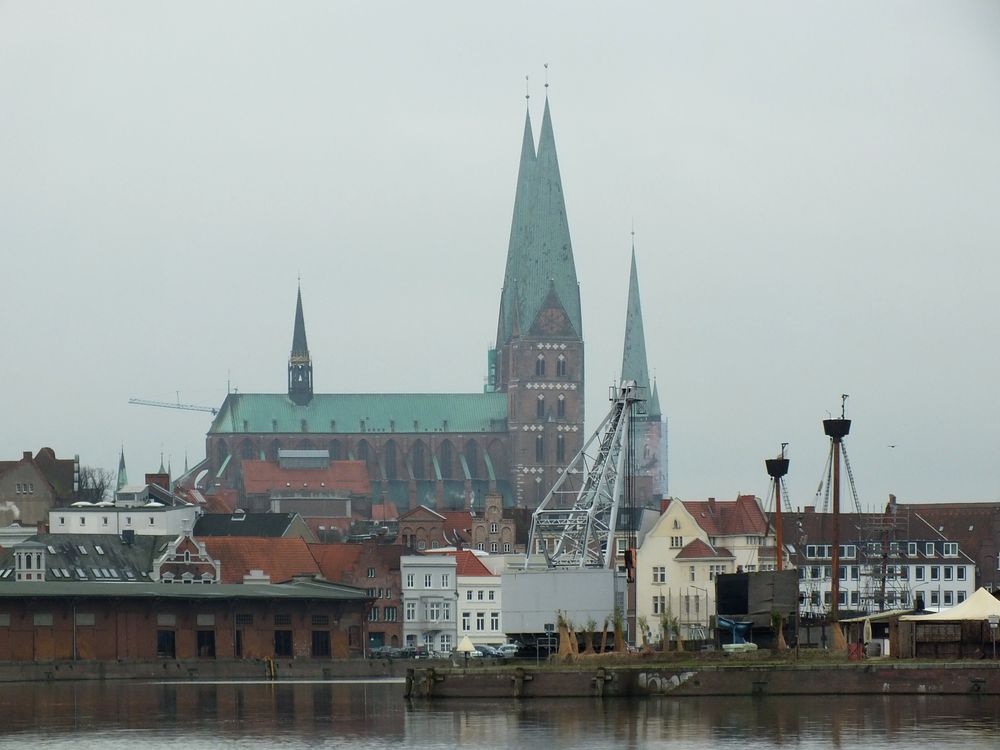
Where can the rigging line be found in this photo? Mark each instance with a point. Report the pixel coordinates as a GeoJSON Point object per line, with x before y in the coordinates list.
{"type": "Point", "coordinates": [828, 480]}
{"type": "Point", "coordinates": [850, 476]}
{"type": "Point", "coordinates": [784, 494]}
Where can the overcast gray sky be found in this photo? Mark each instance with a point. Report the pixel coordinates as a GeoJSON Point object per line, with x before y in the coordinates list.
{"type": "Point", "coordinates": [814, 188]}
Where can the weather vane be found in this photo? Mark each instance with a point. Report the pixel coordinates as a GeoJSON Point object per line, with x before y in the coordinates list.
{"type": "Point", "coordinates": [546, 75]}
{"type": "Point", "coordinates": [527, 91]}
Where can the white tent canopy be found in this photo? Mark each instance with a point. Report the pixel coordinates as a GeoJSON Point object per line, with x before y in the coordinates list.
{"type": "Point", "coordinates": [979, 606]}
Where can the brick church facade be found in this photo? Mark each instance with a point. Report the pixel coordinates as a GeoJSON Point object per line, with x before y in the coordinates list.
{"type": "Point", "coordinates": [447, 451]}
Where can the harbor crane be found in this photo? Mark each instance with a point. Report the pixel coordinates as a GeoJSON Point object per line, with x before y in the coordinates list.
{"type": "Point", "coordinates": [172, 405]}
{"type": "Point", "coordinates": [575, 524]}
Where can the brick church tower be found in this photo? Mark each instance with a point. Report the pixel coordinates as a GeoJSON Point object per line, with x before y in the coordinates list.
{"type": "Point", "coordinates": [538, 359]}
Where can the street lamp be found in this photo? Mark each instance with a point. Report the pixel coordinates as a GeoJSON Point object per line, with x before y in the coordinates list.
{"type": "Point", "coordinates": [705, 592]}
{"type": "Point", "coordinates": [994, 622]}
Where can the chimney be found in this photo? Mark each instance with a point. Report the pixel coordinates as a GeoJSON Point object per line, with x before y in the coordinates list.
{"type": "Point", "coordinates": [26, 456]}
{"type": "Point", "coordinates": [810, 509]}
{"type": "Point", "coordinates": [42, 527]}
{"type": "Point", "coordinates": [711, 505]}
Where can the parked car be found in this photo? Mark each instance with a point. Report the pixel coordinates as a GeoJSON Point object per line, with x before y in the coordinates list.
{"type": "Point", "coordinates": [384, 652]}
{"type": "Point", "coordinates": [488, 651]}
{"type": "Point", "coordinates": [509, 650]}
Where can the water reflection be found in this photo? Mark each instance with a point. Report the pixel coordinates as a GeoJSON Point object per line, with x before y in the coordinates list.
{"type": "Point", "coordinates": [374, 715]}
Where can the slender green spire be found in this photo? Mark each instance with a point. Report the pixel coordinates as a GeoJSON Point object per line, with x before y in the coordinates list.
{"type": "Point", "coordinates": [540, 253]}
{"type": "Point", "coordinates": [634, 363]}
{"type": "Point", "coordinates": [299, 346]}
{"type": "Point", "coordinates": [300, 371]}
{"type": "Point", "coordinates": [653, 408]}
{"type": "Point", "coordinates": [163, 469]}
{"type": "Point", "coordinates": [122, 473]}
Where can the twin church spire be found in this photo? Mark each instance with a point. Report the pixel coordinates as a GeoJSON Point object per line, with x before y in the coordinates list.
{"type": "Point", "coordinates": [540, 269]}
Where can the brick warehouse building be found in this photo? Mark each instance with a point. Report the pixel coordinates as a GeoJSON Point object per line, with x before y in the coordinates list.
{"type": "Point", "coordinates": [446, 451]}
{"type": "Point", "coordinates": [304, 619]}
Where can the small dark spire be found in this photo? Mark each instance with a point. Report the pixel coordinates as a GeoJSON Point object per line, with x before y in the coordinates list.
{"type": "Point", "coordinates": [299, 346]}
{"type": "Point", "coordinates": [300, 372]}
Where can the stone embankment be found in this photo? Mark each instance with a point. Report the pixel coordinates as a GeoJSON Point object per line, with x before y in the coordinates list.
{"type": "Point", "coordinates": [208, 669]}
{"type": "Point", "coordinates": [693, 678]}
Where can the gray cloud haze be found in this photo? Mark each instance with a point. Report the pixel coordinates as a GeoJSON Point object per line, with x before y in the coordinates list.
{"type": "Point", "coordinates": [814, 189]}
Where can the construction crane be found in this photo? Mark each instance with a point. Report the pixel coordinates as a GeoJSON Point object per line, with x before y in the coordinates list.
{"type": "Point", "coordinates": [578, 525]}
{"type": "Point", "coordinates": [172, 405]}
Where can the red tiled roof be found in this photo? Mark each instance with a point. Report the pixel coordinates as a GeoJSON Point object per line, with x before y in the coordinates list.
{"type": "Point", "coordinates": [279, 557]}
{"type": "Point", "coordinates": [221, 501]}
{"type": "Point", "coordinates": [457, 520]}
{"type": "Point", "coordinates": [468, 564]}
{"type": "Point", "coordinates": [260, 477]}
{"type": "Point", "coordinates": [699, 550]}
{"type": "Point", "coordinates": [335, 559]}
{"type": "Point", "coordinates": [728, 518]}
{"type": "Point", "coordinates": [384, 511]}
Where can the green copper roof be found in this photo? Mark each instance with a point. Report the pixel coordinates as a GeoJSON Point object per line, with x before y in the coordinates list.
{"type": "Point", "coordinates": [540, 251]}
{"type": "Point", "coordinates": [353, 413]}
{"type": "Point", "coordinates": [634, 364]}
{"type": "Point", "coordinates": [300, 349]}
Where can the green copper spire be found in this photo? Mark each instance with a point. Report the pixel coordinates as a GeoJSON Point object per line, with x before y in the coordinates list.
{"type": "Point", "coordinates": [634, 364]}
{"type": "Point", "coordinates": [300, 369]}
{"type": "Point", "coordinates": [653, 408]}
{"type": "Point", "coordinates": [122, 474]}
{"type": "Point", "coordinates": [163, 469]}
{"type": "Point", "coordinates": [299, 346]}
{"type": "Point", "coordinates": [540, 254]}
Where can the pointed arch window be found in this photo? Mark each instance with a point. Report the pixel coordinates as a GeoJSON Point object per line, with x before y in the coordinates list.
{"type": "Point", "coordinates": [246, 450]}
{"type": "Point", "coordinates": [419, 461]}
{"type": "Point", "coordinates": [445, 460]}
{"type": "Point", "coordinates": [540, 366]}
{"type": "Point", "coordinates": [336, 450]}
{"type": "Point", "coordinates": [561, 406]}
{"type": "Point", "coordinates": [472, 459]}
{"type": "Point", "coordinates": [561, 366]}
{"type": "Point", "coordinates": [560, 447]}
{"type": "Point", "coordinates": [539, 449]}
{"type": "Point", "coordinates": [223, 452]}
{"type": "Point", "coordinates": [540, 407]}
{"type": "Point", "coordinates": [390, 460]}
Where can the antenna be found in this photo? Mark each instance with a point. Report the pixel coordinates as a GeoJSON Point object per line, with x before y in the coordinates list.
{"type": "Point", "coordinates": [843, 406]}
{"type": "Point", "coordinates": [546, 78]}
{"type": "Point", "coordinates": [527, 90]}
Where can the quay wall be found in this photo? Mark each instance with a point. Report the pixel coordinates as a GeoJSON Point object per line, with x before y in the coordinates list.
{"type": "Point", "coordinates": [848, 679]}
{"type": "Point", "coordinates": [204, 669]}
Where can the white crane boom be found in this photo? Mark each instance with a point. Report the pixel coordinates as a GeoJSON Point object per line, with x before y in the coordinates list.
{"type": "Point", "coordinates": [574, 527]}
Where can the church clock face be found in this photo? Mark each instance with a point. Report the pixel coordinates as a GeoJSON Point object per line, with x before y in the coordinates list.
{"type": "Point", "coordinates": [552, 321]}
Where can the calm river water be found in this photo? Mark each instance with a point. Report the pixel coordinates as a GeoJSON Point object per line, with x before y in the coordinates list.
{"type": "Point", "coordinates": [374, 715]}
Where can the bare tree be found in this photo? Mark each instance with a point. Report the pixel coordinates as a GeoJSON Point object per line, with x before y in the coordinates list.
{"type": "Point", "coordinates": [95, 483]}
